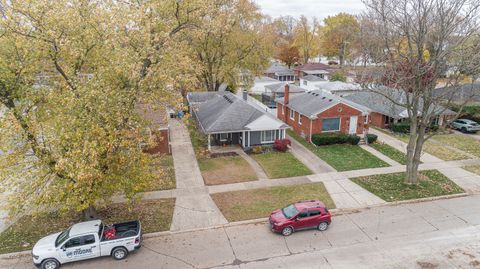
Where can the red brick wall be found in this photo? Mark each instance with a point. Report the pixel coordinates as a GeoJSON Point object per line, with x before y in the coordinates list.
{"type": "Point", "coordinates": [377, 119]}
{"type": "Point", "coordinates": [162, 142]}
{"type": "Point", "coordinates": [341, 111]}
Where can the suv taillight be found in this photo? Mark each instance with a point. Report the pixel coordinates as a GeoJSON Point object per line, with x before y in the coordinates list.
{"type": "Point", "coordinates": [137, 240]}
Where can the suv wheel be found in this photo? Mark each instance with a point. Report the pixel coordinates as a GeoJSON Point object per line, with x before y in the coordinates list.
{"type": "Point", "coordinates": [50, 264]}
{"type": "Point", "coordinates": [287, 231]}
{"type": "Point", "coordinates": [119, 253]}
{"type": "Point", "coordinates": [464, 130]}
{"type": "Point", "coordinates": [322, 226]}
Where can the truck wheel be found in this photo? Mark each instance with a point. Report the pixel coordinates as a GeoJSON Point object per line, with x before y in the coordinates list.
{"type": "Point", "coordinates": [50, 264]}
{"type": "Point", "coordinates": [119, 253]}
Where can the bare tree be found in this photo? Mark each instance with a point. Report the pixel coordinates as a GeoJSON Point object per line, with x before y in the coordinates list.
{"type": "Point", "coordinates": [420, 43]}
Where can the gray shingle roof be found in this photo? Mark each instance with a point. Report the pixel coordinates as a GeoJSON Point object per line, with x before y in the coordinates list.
{"type": "Point", "coordinates": [463, 93]}
{"type": "Point", "coordinates": [265, 79]}
{"type": "Point", "coordinates": [312, 103]}
{"type": "Point", "coordinates": [280, 87]}
{"type": "Point", "coordinates": [225, 112]}
{"type": "Point", "coordinates": [381, 104]}
{"type": "Point", "coordinates": [278, 68]}
{"type": "Point", "coordinates": [313, 78]}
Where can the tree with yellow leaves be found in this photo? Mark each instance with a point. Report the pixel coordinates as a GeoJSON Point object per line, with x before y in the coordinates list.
{"type": "Point", "coordinates": [72, 73]}
{"type": "Point", "coordinates": [339, 35]}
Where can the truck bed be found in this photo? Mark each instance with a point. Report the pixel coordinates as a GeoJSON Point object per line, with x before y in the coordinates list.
{"type": "Point", "coordinates": [125, 229]}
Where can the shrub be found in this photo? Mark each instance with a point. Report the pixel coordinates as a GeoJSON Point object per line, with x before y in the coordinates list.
{"type": "Point", "coordinates": [338, 76]}
{"type": "Point", "coordinates": [353, 139]}
{"type": "Point", "coordinates": [372, 138]}
{"type": "Point", "coordinates": [403, 128]}
{"type": "Point", "coordinates": [334, 138]}
{"type": "Point", "coordinates": [257, 149]}
{"type": "Point", "coordinates": [282, 145]}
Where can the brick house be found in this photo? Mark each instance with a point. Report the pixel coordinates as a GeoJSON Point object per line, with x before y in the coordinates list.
{"type": "Point", "coordinates": [312, 69]}
{"type": "Point", "coordinates": [384, 112]}
{"type": "Point", "coordinates": [158, 128]}
{"type": "Point", "coordinates": [319, 112]}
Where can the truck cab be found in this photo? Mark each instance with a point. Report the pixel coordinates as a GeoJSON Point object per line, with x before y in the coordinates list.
{"type": "Point", "coordinates": [86, 240]}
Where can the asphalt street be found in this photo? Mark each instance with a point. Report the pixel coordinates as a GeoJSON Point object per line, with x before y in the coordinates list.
{"type": "Point", "coordinates": [434, 234]}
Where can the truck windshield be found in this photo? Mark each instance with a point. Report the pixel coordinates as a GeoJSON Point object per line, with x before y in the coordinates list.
{"type": "Point", "coordinates": [290, 211]}
{"type": "Point", "coordinates": [62, 237]}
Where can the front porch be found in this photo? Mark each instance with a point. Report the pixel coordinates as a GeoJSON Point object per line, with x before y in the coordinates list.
{"type": "Point", "coordinates": [245, 139]}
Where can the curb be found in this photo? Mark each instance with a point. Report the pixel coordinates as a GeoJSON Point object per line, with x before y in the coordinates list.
{"type": "Point", "coordinates": [334, 212]}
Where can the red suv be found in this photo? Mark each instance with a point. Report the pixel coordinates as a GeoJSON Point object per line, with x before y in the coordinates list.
{"type": "Point", "coordinates": [300, 216]}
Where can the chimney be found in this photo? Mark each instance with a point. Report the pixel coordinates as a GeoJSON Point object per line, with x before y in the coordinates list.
{"type": "Point", "coordinates": [245, 95]}
{"type": "Point", "coordinates": [286, 94]}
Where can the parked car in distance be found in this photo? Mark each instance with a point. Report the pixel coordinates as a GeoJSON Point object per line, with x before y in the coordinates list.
{"type": "Point", "coordinates": [300, 216]}
{"type": "Point", "coordinates": [87, 240]}
{"type": "Point", "coordinates": [466, 126]}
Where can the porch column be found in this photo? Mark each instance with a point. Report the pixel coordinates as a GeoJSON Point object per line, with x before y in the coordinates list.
{"type": "Point", "coordinates": [249, 142]}
{"type": "Point", "coordinates": [243, 139]}
{"type": "Point", "coordinates": [209, 147]}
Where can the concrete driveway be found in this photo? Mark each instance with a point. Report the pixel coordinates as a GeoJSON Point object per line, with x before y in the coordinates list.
{"type": "Point", "coordinates": [435, 234]}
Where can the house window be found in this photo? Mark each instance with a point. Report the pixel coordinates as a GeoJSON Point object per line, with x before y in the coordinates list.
{"type": "Point", "coordinates": [331, 125]}
{"type": "Point", "coordinates": [223, 137]}
{"type": "Point", "coordinates": [365, 119]}
{"type": "Point", "coordinates": [304, 82]}
{"type": "Point", "coordinates": [281, 108]}
{"type": "Point", "coordinates": [267, 136]}
{"type": "Point", "coordinates": [292, 114]}
{"type": "Point", "coordinates": [299, 119]}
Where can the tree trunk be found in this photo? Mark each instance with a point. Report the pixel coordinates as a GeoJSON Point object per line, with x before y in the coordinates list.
{"type": "Point", "coordinates": [90, 213]}
{"type": "Point", "coordinates": [411, 176]}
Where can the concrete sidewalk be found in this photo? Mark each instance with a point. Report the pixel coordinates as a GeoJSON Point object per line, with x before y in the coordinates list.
{"type": "Point", "coordinates": [315, 164]}
{"type": "Point", "coordinates": [196, 208]}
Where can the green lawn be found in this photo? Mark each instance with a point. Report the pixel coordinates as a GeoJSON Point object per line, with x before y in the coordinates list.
{"type": "Point", "coordinates": [461, 142]}
{"type": "Point", "coordinates": [342, 157]}
{"type": "Point", "coordinates": [390, 152]}
{"type": "Point", "coordinates": [434, 149]}
{"type": "Point", "coordinates": [155, 215]}
{"type": "Point", "coordinates": [259, 203]}
{"type": "Point", "coordinates": [278, 164]}
{"type": "Point", "coordinates": [225, 170]}
{"type": "Point", "coordinates": [391, 187]}
{"type": "Point", "coordinates": [165, 179]}
{"type": "Point", "coordinates": [474, 169]}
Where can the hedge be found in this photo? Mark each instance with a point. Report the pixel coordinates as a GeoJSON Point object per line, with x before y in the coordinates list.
{"type": "Point", "coordinates": [371, 138]}
{"type": "Point", "coordinates": [334, 138]}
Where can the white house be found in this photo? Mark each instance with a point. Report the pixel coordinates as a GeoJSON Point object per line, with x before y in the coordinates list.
{"type": "Point", "coordinates": [311, 82]}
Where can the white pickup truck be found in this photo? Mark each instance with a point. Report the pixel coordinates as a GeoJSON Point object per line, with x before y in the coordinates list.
{"type": "Point", "coordinates": [87, 240]}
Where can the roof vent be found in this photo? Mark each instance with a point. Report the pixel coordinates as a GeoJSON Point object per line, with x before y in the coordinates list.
{"type": "Point", "coordinates": [323, 97]}
{"type": "Point", "coordinates": [228, 99]}
{"type": "Point", "coordinates": [330, 100]}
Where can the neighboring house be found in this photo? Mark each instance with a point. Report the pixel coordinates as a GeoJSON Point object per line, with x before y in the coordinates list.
{"type": "Point", "coordinates": [259, 84]}
{"type": "Point", "coordinates": [159, 128]}
{"type": "Point", "coordinates": [339, 88]}
{"type": "Point", "coordinates": [320, 112]}
{"type": "Point", "coordinates": [275, 91]}
{"type": "Point", "coordinates": [384, 112]}
{"type": "Point", "coordinates": [280, 72]}
{"type": "Point", "coordinates": [460, 94]}
{"type": "Point", "coordinates": [311, 82]}
{"type": "Point", "coordinates": [228, 119]}
{"type": "Point", "coordinates": [316, 69]}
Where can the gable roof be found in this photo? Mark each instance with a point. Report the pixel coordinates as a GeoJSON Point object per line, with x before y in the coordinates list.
{"type": "Point", "coordinates": [333, 86]}
{"type": "Point", "coordinates": [278, 69]}
{"type": "Point", "coordinates": [313, 78]}
{"type": "Point", "coordinates": [381, 104]}
{"type": "Point", "coordinates": [312, 103]}
{"type": "Point", "coordinates": [265, 79]}
{"type": "Point", "coordinates": [280, 88]}
{"type": "Point", "coordinates": [225, 112]}
{"type": "Point", "coordinates": [312, 66]}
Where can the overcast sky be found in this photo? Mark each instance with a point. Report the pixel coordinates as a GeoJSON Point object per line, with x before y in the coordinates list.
{"type": "Point", "coordinates": [309, 8]}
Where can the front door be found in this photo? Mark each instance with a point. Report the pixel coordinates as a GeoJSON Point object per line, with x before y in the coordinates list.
{"type": "Point", "coordinates": [80, 248]}
{"type": "Point", "coordinates": [353, 125]}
